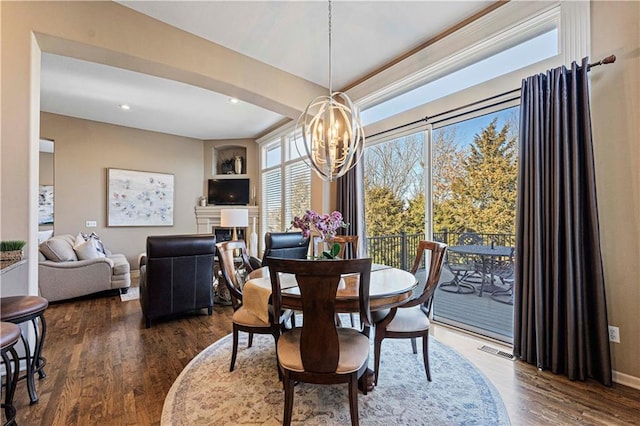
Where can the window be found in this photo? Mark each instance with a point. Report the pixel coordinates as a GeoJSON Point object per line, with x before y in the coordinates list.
{"type": "Point", "coordinates": [286, 184]}
{"type": "Point", "coordinates": [526, 53]}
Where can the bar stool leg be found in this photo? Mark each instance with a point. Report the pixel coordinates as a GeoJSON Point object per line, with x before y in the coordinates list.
{"type": "Point", "coordinates": [11, 380]}
{"type": "Point", "coordinates": [38, 361]}
{"type": "Point", "coordinates": [35, 363]}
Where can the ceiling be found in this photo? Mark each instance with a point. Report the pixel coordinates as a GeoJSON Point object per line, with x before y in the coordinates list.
{"type": "Point", "coordinates": [366, 35]}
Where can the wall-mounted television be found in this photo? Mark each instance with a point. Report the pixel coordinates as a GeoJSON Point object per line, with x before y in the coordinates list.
{"type": "Point", "coordinates": [228, 192]}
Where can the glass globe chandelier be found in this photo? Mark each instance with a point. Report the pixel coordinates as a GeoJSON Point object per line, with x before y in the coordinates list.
{"type": "Point", "coordinates": [331, 131]}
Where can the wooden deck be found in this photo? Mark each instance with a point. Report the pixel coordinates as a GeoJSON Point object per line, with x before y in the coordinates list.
{"type": "Point", "coordinates": [482, 315]}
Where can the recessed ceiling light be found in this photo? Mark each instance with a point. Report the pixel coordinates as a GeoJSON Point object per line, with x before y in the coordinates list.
{"type": "Point", "coordinates": [234, 100]}
{"type": "Point", "coordinates": [125, 107]}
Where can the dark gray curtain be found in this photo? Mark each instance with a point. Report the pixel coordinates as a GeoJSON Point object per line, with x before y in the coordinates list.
{"type": "Point", "coordinates": [350, 202]}
{"type": "Point", "coordinates": [560, 314]}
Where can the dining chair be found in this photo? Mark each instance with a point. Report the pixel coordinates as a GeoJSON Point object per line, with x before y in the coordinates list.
{"type": "Point", "coordinates": [411, 319]}
{"type": "Point", "coordinates": [286, 245]}
{"type": "Point", "coordinates": [348, 245]}
{"type": "Point", "coordinates": [348, 250]}
{"type": "Point", "coordinates": [235, 266]}
{"type": "Point", "coordinates": [320, 352]}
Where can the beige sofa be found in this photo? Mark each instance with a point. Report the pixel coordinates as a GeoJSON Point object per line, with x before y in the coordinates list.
{"type": "Point", "coordinates": [67, 269]}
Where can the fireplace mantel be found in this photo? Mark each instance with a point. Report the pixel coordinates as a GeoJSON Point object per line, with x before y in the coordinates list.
{"type": "Point", "coordinates": [208, 218]}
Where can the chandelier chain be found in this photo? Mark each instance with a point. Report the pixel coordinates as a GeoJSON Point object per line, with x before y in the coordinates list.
{"type": "Point", "coordinates": [330, 77]}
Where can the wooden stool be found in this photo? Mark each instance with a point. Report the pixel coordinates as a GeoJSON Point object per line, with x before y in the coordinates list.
{"type": "Point", "coordinates": [9, 335]}
{"type": "Point", "coordinates": [20, 309]}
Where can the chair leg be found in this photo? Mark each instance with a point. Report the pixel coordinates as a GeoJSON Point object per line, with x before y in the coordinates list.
{"type": "Point", "coordinates": [250, 340]}
{"type": "Point", "coordinates": [288, 400]}
{"type": "Point", "coordinates": [377, 343]}
{"type": "Point", "coordinates": [353, 399]}
{"type": "Point", "coordinates": [275, 337]}
{"type": "Point", "coordinates": [353, 324]}
{"type": "Point", "coordinates": [234, 352]}
{"type": "Point", "coordinates": [293, 319]}
{"type": "Point", "coordinates": [413, 345]}
{"type": "Point", "coordinates": [425, 355]}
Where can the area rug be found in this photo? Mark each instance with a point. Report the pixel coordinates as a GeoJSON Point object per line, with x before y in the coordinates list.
{"type": "Point", "coordinates": [132, 294]}
{"type": "Point", "coordinates": [206, 393]}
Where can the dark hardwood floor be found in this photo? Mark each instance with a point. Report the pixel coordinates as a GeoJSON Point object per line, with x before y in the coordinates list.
{"type": "Point", "coordinates": [105, 368]}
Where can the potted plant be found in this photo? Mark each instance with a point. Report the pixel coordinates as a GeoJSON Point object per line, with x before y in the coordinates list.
{"type": "Point", "coordinates": [11, 251]}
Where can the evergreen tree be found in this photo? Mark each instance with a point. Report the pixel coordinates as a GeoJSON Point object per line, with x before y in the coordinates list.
{"type": "Point", "coordinates": [384, 212]}
{"type": "Point", "coordinates": [484, 197]}
{"type": "Point", "coordinates": [414, 220]}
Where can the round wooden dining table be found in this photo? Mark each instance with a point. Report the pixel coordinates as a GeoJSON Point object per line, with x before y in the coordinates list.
{"type": "Point", "coordinates": [388, 287]}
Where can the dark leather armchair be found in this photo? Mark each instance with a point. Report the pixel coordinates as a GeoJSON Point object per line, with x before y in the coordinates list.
{"type": "Point", "coordinates": [285, 245]}
{"type": "Point", "coordinates": [176, 275]}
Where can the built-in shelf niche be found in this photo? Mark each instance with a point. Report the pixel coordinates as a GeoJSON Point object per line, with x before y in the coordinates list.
{"type": "Point", "coordinates": [224, 161]}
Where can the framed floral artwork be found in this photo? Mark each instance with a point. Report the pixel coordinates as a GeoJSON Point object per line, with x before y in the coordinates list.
{"type": "Point", "coordinates": [136, 198]}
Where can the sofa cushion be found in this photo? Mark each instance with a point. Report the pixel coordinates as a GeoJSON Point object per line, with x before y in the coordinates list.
{"type": "Point", "coordinates": [59, 248]}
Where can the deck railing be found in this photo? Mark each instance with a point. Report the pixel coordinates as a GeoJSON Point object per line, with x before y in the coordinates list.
{"type": "Point", "coordinates": [399, 250]}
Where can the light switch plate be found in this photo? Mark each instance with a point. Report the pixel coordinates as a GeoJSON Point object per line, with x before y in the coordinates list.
{"type": "Point", "coordinates": [91, 224]}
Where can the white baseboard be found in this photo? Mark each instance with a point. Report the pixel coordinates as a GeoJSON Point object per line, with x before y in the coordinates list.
{"type": "Point", "coordinates": [626, 379]}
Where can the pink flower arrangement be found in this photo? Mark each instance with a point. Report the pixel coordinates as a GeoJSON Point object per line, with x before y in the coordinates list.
{"type": "Point", "coordinates": [327, 224]}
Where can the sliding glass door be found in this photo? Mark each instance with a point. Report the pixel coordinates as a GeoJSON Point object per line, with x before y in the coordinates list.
{"type": "Point", "coordinates": [474, 198]}
{"type": "Point", "coordinates": [457, 184]}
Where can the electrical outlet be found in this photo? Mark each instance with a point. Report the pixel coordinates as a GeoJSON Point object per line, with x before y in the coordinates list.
{"type": "Point", "coordinates": [91, 224]}
{"type": "Point", "coordinates": [614, 334]}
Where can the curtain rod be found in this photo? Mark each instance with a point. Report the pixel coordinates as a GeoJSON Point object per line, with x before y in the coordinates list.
{"type": "Point", "coordinates": [608, 60]}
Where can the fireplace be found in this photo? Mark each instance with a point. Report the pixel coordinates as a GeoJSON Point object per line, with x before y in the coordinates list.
{"type": "Point", "coordinates": [208, 221]}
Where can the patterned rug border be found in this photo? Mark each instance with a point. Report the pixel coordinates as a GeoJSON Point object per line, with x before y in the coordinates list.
{"type": "Point", "coordinates": [499, 415]}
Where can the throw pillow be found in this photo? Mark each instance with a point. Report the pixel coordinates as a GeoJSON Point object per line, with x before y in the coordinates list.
{"type": "Point", "coordinates": [87, 250]}
{"type": "Point", "coordinates": [97, 241]}
{"type": "Point", "coordinates": [59, 249]}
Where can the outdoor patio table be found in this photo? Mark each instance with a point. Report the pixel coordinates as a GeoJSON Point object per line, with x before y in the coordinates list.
{"type": "Point", "coordinates": [488, 254]}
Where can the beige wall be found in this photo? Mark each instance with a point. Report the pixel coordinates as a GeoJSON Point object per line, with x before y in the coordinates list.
{"type": "Point", "coordinates": [46, 168]}
{"type": "Point", "coordinates": [615, 111]}
{"type": "Point", "coordinates": [84, 151]}
{"type": "Point", "coordinates": [109, 33]}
